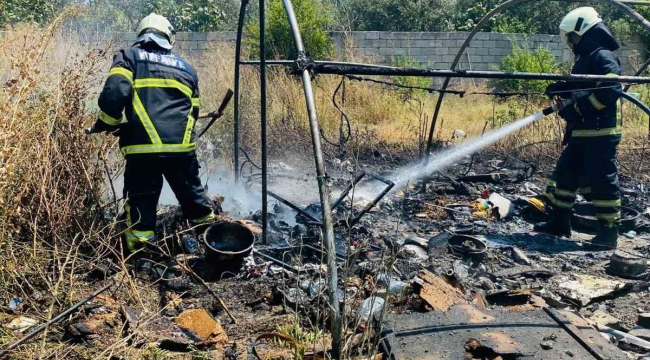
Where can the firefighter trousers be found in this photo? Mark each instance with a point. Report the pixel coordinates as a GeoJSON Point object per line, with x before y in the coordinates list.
{"type": "Point", "coordinates": [588, 166]}
{"type": "Point", "coordinates": [143, 182]}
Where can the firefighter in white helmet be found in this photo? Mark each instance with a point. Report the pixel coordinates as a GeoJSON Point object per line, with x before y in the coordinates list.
{"type": "Point", "coordinates": [594, 131]}
{"type": "Point", "coordinates": [157, 92]}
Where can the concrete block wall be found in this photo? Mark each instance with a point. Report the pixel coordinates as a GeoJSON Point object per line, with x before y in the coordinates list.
{"type": "Point", "coordinates": [432, 49]}
{"type": "Point", "coordinates": [438, 50]}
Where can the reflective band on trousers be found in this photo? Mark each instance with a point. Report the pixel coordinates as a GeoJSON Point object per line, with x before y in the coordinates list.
{"type": "Point", "coordinates": [600, 132]}
{"type": "Point", "coordinates": [560, 203]}
{"type": "Point", "coordinates": [566, 193]}
{"type": "Point", "coordinates": [204, 219]}
{"type": "Point", "coordinates": [608, 216]}
{"type": "Point", "coordinates": [607, 203]}
{"type": "Point", "coordinates": [139, 235]}
{"type": "Point", "coordinates": [160, 148]}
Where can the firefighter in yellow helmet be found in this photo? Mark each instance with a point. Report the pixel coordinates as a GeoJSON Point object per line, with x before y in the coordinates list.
{"type": "Point", "coordinates": [595, 131]}
{"type": "Point", "coordinates": [151, 101]}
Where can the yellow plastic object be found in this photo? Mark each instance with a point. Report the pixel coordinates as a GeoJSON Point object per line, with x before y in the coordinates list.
{"type": "Point", "coordinates": [538, 205]}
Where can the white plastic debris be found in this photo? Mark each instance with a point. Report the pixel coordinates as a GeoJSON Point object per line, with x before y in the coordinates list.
{"type": "Point", "coordinates": [21, 323]}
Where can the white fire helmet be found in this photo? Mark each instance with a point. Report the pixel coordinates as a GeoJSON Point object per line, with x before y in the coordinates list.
{"type": "Point", "coordinates": [578, 21]}
{"type": "Point", "coordinates": [162, 26]}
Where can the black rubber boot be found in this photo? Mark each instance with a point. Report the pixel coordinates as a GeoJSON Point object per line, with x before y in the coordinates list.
{"type": "Point", "coordinates": [606, 238]}
{"type": "Point", "coordinates": [558, 224]}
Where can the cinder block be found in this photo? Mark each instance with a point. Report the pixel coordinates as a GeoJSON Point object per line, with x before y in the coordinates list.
{"type": "Point", "coordinates": [482, 51]}
{"type": "Point", "coordinates": [415, 51]}
{"type": "Point", "coordinates": [442, 35]}
{"type": "Point", "coordinates": [372, 35]}
{"type": "Point", "coordinates": [435, 58]}
{"type": "Point", "coordinates": [199, 36]}
{"type": "Point", "coordinates": [379, 43]}
{"type": "Point", "coordinates": [387, 51]}
{"type": "Point", "coordinates": [441, 66]}
{"type": "Point", "coordinates": [230, 35]}
{"type": "Point", "coordinates": [364, 43]}
{"type": "Point", "coordinates": [406, 43]}
{"type": "Point", "coordinates": [416, 35]}
{"type": "Point", "coordinates": [471, 51]}
{"type": "Point", "coordinates": [505, 52]}
{"type": "Point", "coordinates": [494, 51]}
{"type": "Point", "coordinates": [423, 60]}
{"type": "Point", "coordinates": [504, 44]}
{"type": "Point", "coordinates": [448, 58]}
{"type": "Point", "coordinates": [192, 45]}
{"type": "Point", "coordinates": [428, 35]}
{"type": "Point", "coordinates": [182, 36]}
{"type": "Point", "coordinates": [401, 35]}
{"type": "Point", "coordinates": [460, 42]}
{"type": "Point", "coordinates": [496, 36]}
{"type": "Point", "coordinates": [370, 51]}
{"type": "Point", "coordinates": [436, 43]}
{"type": "Point", "coordinates": [420, 43]}
{"type": "Point", "coordinates": [386, 35]}
{"type": "Point", "coordinates": [430, 51]}
{"type": "Point", "coordinates": [482, 36]}
{"type": "Point", "coordinates": [491, 59]}
{"type": "Point", "coordinates": [214, 36]}
{"type": "Point", "coordinates": [400, 51]}
{"type": "Point", "coordinates": [449, 43]}
{"type": "Point", "coordinates": [480, 66]}
{"type": "Point", "coordinates": [490, 44]}
{"type": "Point", "coordinates": [476, 44]}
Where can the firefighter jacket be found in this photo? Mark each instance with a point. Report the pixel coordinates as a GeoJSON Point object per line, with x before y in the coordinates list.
{"type": "Point", "coordinates": [597, 106]}
{"type": "Point", "coordinates": [158, 93]}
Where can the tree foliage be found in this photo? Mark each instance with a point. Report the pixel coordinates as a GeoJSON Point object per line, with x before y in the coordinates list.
{"type": "Point", "coordinates": [391, 15]}
{"type": "Point", "coordinates": [32, 11]}
{"type": "Point", "coordinates": [539, 60]}
{"type": "Point", "coordinates": [314, 18]}
{"type": "Point", "coordinates": [199, 15]}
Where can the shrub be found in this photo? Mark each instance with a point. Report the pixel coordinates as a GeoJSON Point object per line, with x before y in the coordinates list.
{"type": "Point", "coordinates": [540, 60]}
{"type": "Point", "coordinates": [314, 18]}
{"type": "Point", "coordinates": [404, 61]}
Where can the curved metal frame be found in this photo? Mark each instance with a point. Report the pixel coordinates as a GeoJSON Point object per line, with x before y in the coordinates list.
{"type": "Point", "coordinates": [480, 25]}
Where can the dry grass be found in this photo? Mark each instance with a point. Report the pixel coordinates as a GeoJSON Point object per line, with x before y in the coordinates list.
{"type": "Point", "coordinates": [56, 222]}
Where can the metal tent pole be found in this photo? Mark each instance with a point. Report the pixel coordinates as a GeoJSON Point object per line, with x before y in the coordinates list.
{"type": "Point", "coordinates": [263, 121]}
{"type": "Point", "coordinates": [240, 30]}
{"type": "Point", "coordinates": [328, 230]}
